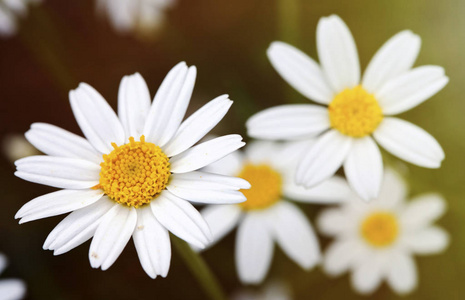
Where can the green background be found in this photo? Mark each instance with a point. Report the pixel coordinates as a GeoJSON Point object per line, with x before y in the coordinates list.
{"type": "Point", "coordinates": [62, 43]}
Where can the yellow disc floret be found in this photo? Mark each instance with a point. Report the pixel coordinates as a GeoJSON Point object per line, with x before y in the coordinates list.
{"type": "Point", "coordinates": [380, 229]}
{"type": "Point", "coordinates": [355, 112]}
{"type": "Point", "coordinates": [266, 186]}
{"type": "Point", "coordinates": [135, 173]}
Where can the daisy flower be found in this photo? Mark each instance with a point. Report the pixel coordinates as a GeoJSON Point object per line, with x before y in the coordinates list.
{"type": "Point", "coordinates": [10, 10]}
{"type": "Point", "coordinates": [357, 112]}
{"type": "Point", "coordinates": [377, 240]}
{"type": "Point", "coordinates": [10, 289]}
{"type": "Point", "coordinates": [142, 16]}
{"type": "Point", "coordinates": [266, 216]}
{"type": "Point", "coordinates": [134, 174]}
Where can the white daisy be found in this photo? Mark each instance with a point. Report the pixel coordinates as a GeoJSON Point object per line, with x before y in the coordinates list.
{"type": "Point", "coordinates": [135, 15]}
{"type": "Point", "coordinates": [134, 175]}
{"type": "Point", "coordinates": [266, 216]}
{"type": "Point", "coordinates": [10, 289]}
{"type": "Point", "coordinates": [377, 240]}
{"type": "Point", "coordinates": [358, 109]}
{"type": "Point", "coordinates": [10, 10]}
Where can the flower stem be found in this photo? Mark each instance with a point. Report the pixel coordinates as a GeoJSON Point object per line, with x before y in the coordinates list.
{"type": "Point", "coordinates": [199, 269]}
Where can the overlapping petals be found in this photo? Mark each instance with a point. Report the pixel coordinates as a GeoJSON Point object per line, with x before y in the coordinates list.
{"type": "Point", "coordinates": [73, 163]}
{"type": "Point", "coordinates": [389, 77]}
{"type": "Point", "coordinates": [370, 264]}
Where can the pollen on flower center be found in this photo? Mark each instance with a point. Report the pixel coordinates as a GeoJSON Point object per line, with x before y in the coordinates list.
{"type": "Point", "coordinates": [135, 173]}
{"type": "Point", "coordinates": [355, 112]}
{"type": "Point", "coordinates": [380, 229]}
{"type": "Point", "coordinates": [266, 186]}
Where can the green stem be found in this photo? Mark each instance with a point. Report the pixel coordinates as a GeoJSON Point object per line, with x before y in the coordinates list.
{"type": "Point", "coordinates": [199, 269]}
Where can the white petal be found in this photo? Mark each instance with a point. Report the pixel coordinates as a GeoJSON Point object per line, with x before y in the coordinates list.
{"type": "Point", "coordinates": [96, 118]}
{"type": "Point", "coordinates": [229, 165]}
{"type": "Point", "coordinates": [207, 196]}
{"type": "Point", "coordinates": [341, 256]}
{"type": "Point", "coordinates": [288, 122]}
{"type": "Point", "coordinates": [300, 71]}
{"type": "Point", "coordinates": [8, 24]}
{"type": "Point", "coordinates": [289, 154]}
{"type": "Point", "coordinates": [204, 180]}
{"type": "Point", "coordinates": [402, 273]}
{"type": "Point", "coordinates": [181, 218]}
{"type": "Point", "coordinates": [205, 153]}
{"type": "Point", "coordinates": [60, 172]}
{"type": "Point", "coordinates": [333, 190]}
{"type": "Point", "coordinates": [262, 152]}
{"type": "Point", "coordinates": [409, 142]}
{"type": "Point", "coordinates": [333, 221]}
{"type": "Point", "coordinates": [57, 203]}
{"type": "Point", "coordinates": [133, 104]}
{"type": "Point", "coordinates": [367, 275]}
{"type": "Point", "coordinates": [170, 104]}
{"type": "Point", "coordinates": [254, 248]}
{"type": "Point", "coordinates": [410, 89]}
{"type": "Point", "coordinates": [430, 240]}
{"type": "Point", "coordinates": [393, 190]}
{"type": "Point", "coordinates": [323, 158]}
{"type": "Point", "coordinates": [295, 235]}
{"type": "Point", "coordinates": [221, 219]}
{"type": "Point", "coordinates": [3, 262]}
{"type": "Point", "coordinates": [111, 236]}
{"type": "Point", "coordinates": [152, 243]}
{"type": "Point", "coordinates": [364, 168]}
{"type": "Point", "coordinates": [78, 227]}
{"type": "Point", "coordinates": [395, 57]}
{"type": "Point", "coordinates": [12, 289]}
{"type": "Point", "coordinates": [54, 141]}
{"type": "Point", "coordinates": [198, 125]}
{"type": "Point", "coordinates": [422, 211]}
{"type": "Point", "coordinates": [337, 53]}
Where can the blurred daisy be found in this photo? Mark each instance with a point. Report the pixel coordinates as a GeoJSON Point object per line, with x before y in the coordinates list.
{"type": "Point", "coordinates": [357, 111]}
{"type": "Point", "coordinates": [274, 290]}
{"type": "Point", "coordinates": [10, 10]}
{"type": "Point", "coordinates": [122, 180]}
{"type": "Point", "coordinates": [10, 289]}
{"type": "Point", "coordinates": [266, 217]}
{"type": "Point", "coordinates": [15, 146]}
{"type": "Point", "coordinates": [376, 241]}
{"type": "Point", "coordinates": [142, 16]}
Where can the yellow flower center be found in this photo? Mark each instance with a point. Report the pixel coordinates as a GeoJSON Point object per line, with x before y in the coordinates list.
{"type": "Point", "coordinates": [134, 174]}
{"type": "Point", "coordinates": [355, 112]}
{"type": "Point", "coordinates": [266, 186]}
{"type": "Point", "coordinates": [380, 229]}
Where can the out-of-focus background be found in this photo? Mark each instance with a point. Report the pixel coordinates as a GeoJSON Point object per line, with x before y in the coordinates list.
{"type": "Point", "coordinates": [62, 43]}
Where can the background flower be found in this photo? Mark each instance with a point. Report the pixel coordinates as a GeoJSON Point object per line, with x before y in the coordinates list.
{"type": "Point", "coordinates": [377, 241]}
{"type": "Point", "coordinates": [268, 216]}
{"type": "Point", "coordinates": [10, 13]}
{"type": "Point", "coordinates": [141, 16]}
{"type": "Point", "coordinates": [10, 289]}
